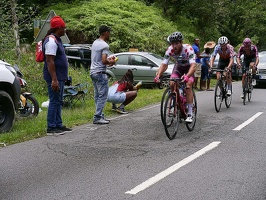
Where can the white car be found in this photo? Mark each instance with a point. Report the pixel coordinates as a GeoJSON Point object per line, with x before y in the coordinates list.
{"type": "Point", "coordinates": [261, 70]}
{"type": "Point", "coordinates": [9, 96]}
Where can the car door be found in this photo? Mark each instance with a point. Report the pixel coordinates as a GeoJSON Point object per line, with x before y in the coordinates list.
{"type": "Point", "coordinates": [121, 66]}
{"type": "Point", "coordinates": [143, 69]}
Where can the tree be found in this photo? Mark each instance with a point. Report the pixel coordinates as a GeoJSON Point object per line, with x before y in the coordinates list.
{"type": "Point", "coordinates": [14, 19]}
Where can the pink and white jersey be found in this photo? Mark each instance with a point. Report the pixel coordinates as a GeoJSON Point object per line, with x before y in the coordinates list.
{"type": "Point", "coordinates": [183, 60]}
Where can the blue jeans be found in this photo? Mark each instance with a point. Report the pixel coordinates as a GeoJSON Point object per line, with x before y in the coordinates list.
{"type": "Point", "coordinates": [100, 83]}
{"type": "Point", "coordinates": [54, 118]}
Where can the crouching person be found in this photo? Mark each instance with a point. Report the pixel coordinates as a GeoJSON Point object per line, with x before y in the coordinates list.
{"type": "Point", "coordinates": [122, 92]}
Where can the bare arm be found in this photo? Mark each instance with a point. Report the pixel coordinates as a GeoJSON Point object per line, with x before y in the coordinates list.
{"type": "Point", "coordinates": [106, 61]}
{"type": "Point", "coordinates": [238, 61]}
{"type": "Point", "coordinates": [162, 69]}
{"type": "Point", "coordinates": [192, 69]}
{"type": "Point", "coordinates": [231, 63]}
{"type": "Point", "coordinates": [212, 61]}
{"type": "Point", "coordinates": [257, 61]}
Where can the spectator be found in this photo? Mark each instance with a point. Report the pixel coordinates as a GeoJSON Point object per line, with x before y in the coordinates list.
{"type": "Point", "coordinates": [197, 73]}
{"type": "Point", "coordinates": [55, 74]}
{"type": "Point", "coordinates": [99, 61]}
{"type": "Point", "coordinates": [205, 68]}
{"type": "Point", "coordinates": [122, 92]}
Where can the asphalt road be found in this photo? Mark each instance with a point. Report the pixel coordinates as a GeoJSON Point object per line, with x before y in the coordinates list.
{"type": "Point", "coordinates": [131, 158]}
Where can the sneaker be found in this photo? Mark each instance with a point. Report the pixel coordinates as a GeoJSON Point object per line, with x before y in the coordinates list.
{"type": "Point", "coordinates": [121, 111]}
{"type": "Point", "coordinates": [229, 92]}
{"type": "Point", "coordinates": [242, 96]}
{"type": "Point", "coordinates": [101, 121]}
{"type": "Point", "coordinates": [107, 119]}
{"type": "Point", "coordinates": [189, 119]}
{"type": "Point", "coordinates": [114, 107]}
{"type": "Point", "coordinates": [253, 82]}
{"type": "Point", "coordinates": [64, 128]}
{"type": "Point", "coordinates": [54, 131]}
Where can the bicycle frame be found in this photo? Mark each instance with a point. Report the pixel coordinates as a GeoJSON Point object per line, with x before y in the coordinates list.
{"type": "Point", "coordinates": [247, 87]}
{"type": "Point", "coordinates": [181, 103]}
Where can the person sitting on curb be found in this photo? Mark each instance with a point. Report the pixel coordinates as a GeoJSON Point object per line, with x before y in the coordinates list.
{"type": "Point", "coordinates": [123, 92]}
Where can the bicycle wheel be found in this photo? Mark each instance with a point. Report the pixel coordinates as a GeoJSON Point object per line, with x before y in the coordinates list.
{"type": "Point", "coordinates": [218, 96]}
{"type": "Point", "coordinates": [166, 91]}
{"type": "Point", "coordinates": [190, 126]}
{"type": "Point", "coordinates": [171, 116]}
{"type": "Point", "coordinates": [245, 90]}
{"type": "Point", "coordinates": [228, 99]}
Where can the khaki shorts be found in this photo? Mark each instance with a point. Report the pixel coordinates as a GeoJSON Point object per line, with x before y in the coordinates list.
{"type": "Point", "coordinates": [198, 70]}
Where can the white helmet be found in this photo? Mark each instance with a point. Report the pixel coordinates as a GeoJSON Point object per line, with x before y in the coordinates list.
{"type": "Point", "coordinates": [223, 40]}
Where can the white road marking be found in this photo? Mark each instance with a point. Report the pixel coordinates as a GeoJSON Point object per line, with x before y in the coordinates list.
{"type": "Point", "coordinates": [172, 169]}
{"type": "Point", "coordinates": [247, 122]}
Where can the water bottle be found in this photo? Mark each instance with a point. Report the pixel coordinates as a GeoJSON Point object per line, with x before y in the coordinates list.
{"type": "Point", "coordinates": [181, 92]}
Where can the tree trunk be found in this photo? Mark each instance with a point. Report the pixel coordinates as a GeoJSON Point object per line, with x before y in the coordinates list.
{"type": "Point", "coordinates": [15, 27]}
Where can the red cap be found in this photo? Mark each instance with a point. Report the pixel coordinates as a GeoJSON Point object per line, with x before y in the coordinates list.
{"type": "Point", "coordinates": [57, 22]}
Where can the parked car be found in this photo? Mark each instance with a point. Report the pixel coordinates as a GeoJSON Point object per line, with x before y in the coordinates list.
{"type": "Point", "coordinates": [79, 55]}
{"type": "Point", "coordinates": [261, 70]}
{"type": "Point", "coordinates": [9, 96]}
{"type": "Point", "coordinates": [144, 66]}
{"type": "Point", "coordinates": [236, 72]}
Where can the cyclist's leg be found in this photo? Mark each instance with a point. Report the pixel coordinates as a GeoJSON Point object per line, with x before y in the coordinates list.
{"type": "Point", "coordinates": [252, 66]}
{"type": "Point", "coordinates": [245, 67]}
{"type": "Point", "coordinates": [172, 83]}
{"type": "Point", "coordinates": [189, 96]}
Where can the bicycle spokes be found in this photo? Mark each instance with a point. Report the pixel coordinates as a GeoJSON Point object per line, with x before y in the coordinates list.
{"type": "Point", "coordinates": [171, 116]}
{"type": "Point", "coordinates": [218, 96]}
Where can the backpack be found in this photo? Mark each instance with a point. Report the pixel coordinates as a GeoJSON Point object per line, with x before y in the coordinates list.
{"type": "Point", "coordinates": [39, 55]}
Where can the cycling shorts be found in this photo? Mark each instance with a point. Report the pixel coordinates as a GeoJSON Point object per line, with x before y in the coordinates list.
{"type": "Point", "coordinates": [179, 73]}
{"type": "Point", "coordinates": [246, 64]}
{"type": "Point", "coordinates": [223, 63]}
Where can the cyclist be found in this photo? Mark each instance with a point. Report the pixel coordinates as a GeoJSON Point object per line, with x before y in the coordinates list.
{"type": "Point", "coordinates": [251, 59]}
{"type": "Point", "coordinates": [226, 60]}
{"type": "Point", "coordinates": [184, 68]}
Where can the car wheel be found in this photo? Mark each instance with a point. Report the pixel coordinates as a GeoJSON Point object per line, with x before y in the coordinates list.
{"type": "Point", "coordinates": [7, 112]}
{"type": "Point", "coordinates": [164, 82]}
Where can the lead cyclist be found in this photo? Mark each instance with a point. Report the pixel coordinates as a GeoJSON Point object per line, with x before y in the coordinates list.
{"type": "Point", "coordinates": [251, 59]}
{"type": "Point", "coordinates": [226, 60]}
{"type": "Point", "coordinates": [184, 68]}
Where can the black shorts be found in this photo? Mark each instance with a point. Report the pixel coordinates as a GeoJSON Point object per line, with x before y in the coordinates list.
{"type": "Point", "coordinates": [246, 63]}
{"type": "Point", "coordinates": [223, 63]}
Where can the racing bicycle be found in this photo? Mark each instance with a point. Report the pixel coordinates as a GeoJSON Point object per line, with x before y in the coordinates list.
{"type": "Point", "coordinates": [220, 92]}
{"type": "Point", "coordinates": [247, 87]}
{"type": "Point", "coordinates": [175, 109]}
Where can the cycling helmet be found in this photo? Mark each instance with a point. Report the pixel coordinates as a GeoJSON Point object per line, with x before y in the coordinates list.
{"type": "Point", "coordinates": [247, 42]}
{"type": "Point", "coordinates": [223, 40]}
{"type": "Point", "coordinates": [176, 37]}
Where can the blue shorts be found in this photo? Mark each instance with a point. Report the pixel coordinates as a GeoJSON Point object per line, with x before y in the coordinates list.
{"type": "Point", "coordinates": [114, 96]}
{"type": "Point", "coordinates": [205, 73]}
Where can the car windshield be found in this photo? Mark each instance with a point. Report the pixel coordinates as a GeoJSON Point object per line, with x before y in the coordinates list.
{"type": "Point", "coordinates": [262, 57]}
{"type": "Point", "coordinates": [157, 58]}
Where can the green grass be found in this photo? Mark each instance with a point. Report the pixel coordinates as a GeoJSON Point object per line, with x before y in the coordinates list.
{"type": "Point", "coordinates": [34, 127]}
